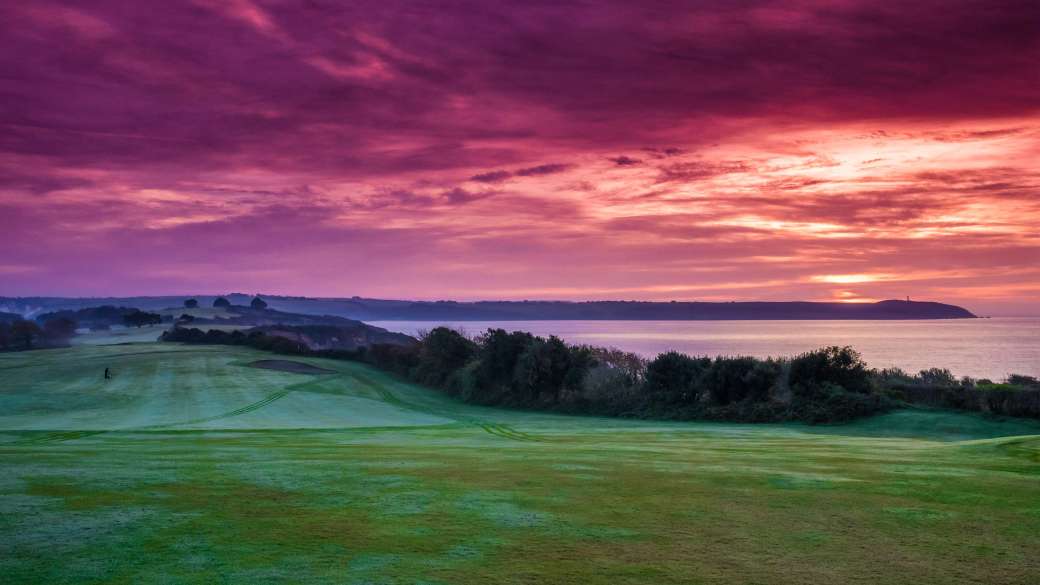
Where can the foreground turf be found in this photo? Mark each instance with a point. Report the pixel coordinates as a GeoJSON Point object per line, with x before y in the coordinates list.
{"type": "Point", "coordinates": [190, 466]}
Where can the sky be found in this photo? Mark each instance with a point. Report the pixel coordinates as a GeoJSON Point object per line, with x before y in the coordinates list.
{"type": "Point", "coordinates": [838, 150]}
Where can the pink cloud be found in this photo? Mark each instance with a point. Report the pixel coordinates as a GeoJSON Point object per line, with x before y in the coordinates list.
{"type": "Point", "coordinates": [720, 151]}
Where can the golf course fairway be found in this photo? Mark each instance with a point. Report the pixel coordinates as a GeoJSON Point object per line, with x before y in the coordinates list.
{"type": "Point", "coordinates": [194, 465]}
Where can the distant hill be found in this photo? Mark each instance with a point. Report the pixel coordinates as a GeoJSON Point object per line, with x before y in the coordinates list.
{"type": "Point", "coordinates": [347, 337]}
{"type": "Point", "coordinates": [317, 332]}
{"type": "Point", "coordinates": [378, 310]}
{"type": "Point", "coordinates": [245, 315]}
{"type": "Point", "coordinates": [358, 308]}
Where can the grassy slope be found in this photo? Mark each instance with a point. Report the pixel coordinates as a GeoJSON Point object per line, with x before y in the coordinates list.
{"type": "Point", "coordinates": [211, 471]}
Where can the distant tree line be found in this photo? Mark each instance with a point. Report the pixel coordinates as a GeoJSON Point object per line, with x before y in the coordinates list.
{"type": "Point", "coordinates": [55, 329]}
{"type": "Point", "coordinates": [254, 339]}
{"type": "Point", "coordinates": [23, 335]}
{"type": "Point", "coordinates": [141, 318]}
{"type": "Point", "coordinates": [520, 370]}
{"type": "Point", "coordinates": [104, 317]}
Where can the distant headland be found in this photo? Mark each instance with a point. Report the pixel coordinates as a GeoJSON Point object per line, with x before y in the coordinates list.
{"type": "Point", "coordinates": [365, 309]}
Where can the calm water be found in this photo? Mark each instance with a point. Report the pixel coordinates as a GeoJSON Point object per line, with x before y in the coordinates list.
{"type": "Point", "coordinates": [982, 348]}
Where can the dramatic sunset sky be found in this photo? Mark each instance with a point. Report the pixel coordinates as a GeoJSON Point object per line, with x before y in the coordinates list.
{"type": "Point", "coordinates": [715, 150]}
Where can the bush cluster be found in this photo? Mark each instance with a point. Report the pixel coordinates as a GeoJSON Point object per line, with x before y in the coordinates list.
{"type": "Point", "coordinates": [1016, 396]}
{"type": "Point", "coordinates": [521, 370]}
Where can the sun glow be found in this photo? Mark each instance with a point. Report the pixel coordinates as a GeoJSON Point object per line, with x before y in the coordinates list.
{"type": "Point", "coordinates": [851, 278]}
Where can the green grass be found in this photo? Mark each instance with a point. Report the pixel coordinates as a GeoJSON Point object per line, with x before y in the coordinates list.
{"type": "Point", "coordinates": [190, 467]}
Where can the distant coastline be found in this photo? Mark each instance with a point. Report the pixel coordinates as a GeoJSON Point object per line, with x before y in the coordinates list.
{"type": "Point", "coordinates": [404, 310]}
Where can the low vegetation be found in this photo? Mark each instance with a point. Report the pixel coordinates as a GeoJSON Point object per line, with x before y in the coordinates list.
{"type": "Point", "coordinates": [1017, 396]}
{"type": "Point", "coordinates": [517, 369]}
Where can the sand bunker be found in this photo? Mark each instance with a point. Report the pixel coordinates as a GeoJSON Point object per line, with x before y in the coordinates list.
{"type": "Point", "coordinates": [290, 366]}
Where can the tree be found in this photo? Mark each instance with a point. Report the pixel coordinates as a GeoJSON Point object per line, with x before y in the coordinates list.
{"type": "Point", "coordinates": [5, 335]}
{"type": "Point", "coordinates": [401, 359]}
{"type": "Point", "coordinates": [185, 318]}
{"type": "Point", "coordinates": [813, 374]}
{"type": "Point", "coordinates": [674, 378]}
{"type": "Point", "coordinates": [733, 379]}
{"type": "Point", "coordinates": [608, 389]}
{"type": "Point", "coordinates": [221, 302]}
{"type": "Point", "coordinates": [258, 304]}
{"type": "Point", "coordinates": [542, 370]}
{"type": "Point", "coordinates": [24, 334]}
{"type": "Point", "coordinates": [443, 352]}
{"type": "Point", "coordinates": [1021, 380]}
{"type": "Point", "coordinates": [937, 377]}
{"type": "Point", "coordinates": [59, 330]}
{"type": "Point", "coordinates": [191, 303]}
{"type": "Point", "coordinates": [633, 365]}
{"type": "Point", "coordinates": [499, 352]}
{"type": "Point", "coordinates": [141, 318]}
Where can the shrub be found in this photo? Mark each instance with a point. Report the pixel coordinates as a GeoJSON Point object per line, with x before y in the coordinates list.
{"type": "Point", "coordinates": [832, 403]}
{"type": "Point", "coordinates": [24, 334]}
{"type": "Point", "coordinates": [890, 376]}
{"type": "Point", "coordinates": [1025, 381]}
{"type": "Point", "coordinates": [633, 365]}
{"type": "Point", "coordinates": [499, 353]}
{"type": "Point", "coordinates": [816, 372]}
{"type": "Point", "coordinates": [937, 377]}
{"type": "Point", "coordinates": [464, 384]}
{"type": "Point", "coordinates": [541, 370]}
{"type": "Point", "coordinates": [399, 359]}
{"type": "Point", "coordinates": [609, 390]}
{"type": "Point", "coordinates": [673, 378]}
{"type": "Point", "coordinates": [442, 352]}
{"type": "Point", "coordinates": [58, 331]}
{"type": "Point", "coordinates": [734, 379]}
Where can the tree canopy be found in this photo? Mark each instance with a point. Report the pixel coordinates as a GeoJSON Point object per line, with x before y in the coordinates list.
{"type": "Point", "coordinates": [141, 318]}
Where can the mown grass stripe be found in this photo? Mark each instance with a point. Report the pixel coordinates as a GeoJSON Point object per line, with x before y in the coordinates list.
{"type": "Point", "coordinates": [59, 437]}
{"type": "Point", "coordinates": [497, 429]}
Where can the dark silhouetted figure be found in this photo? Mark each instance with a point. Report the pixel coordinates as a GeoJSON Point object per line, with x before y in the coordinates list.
{"type": "Point", "coordinates": [108, 375]}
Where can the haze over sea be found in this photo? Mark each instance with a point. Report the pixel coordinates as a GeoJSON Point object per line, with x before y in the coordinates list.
{"type": "Point", "coordinates": [981, 348]}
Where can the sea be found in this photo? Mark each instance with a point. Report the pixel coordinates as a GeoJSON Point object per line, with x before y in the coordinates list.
{"type": "Point", "coordinates": [981, 348]}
